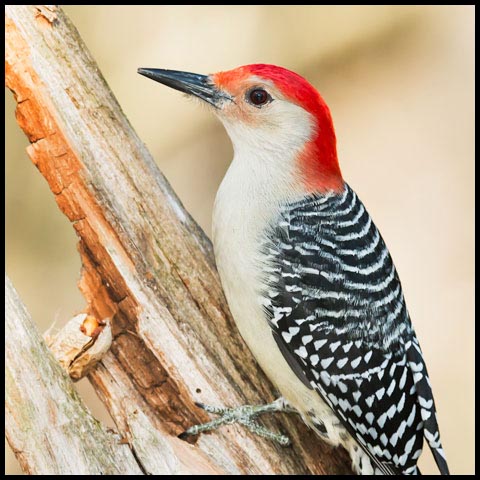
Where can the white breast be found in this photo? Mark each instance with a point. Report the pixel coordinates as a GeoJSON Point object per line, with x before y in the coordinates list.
{"type": "Point", "coordinates": [245, 205]}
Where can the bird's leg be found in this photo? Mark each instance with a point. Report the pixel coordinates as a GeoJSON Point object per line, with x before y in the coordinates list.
{"type": "Point", "coordinates": [244, 415]}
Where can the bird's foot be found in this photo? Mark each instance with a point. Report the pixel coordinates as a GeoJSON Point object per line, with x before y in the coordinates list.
{"type": "Point", "coordinates": [244, 415]}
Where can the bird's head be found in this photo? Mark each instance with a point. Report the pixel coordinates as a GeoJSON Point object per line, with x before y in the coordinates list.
{"type": "Point", "coordinates": [269, 112]}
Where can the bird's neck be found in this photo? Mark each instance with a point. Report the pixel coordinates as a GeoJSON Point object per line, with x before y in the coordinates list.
{"type": "Point", "coordinates": [257, 184]}
{"type": "Point", "coordinates": [249, 199]}
{"type": "Point", "coordinates": [318, 159]}
{"type": "Point", "coordinates": [318, 163]}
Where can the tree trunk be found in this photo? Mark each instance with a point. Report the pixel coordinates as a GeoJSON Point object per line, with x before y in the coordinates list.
{"type": "Point", "coordinates": [146, 265]}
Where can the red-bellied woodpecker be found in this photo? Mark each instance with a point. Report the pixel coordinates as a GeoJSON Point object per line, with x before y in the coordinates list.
{"type": "Point", "coordinates": [308, 278]}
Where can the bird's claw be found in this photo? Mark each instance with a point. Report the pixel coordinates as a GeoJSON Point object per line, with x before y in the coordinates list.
{"type": "Point", "coordinates": [244, 415]}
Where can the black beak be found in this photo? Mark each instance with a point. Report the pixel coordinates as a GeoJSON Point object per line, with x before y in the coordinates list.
{"type": "Point", "coordinates": [191, 83]}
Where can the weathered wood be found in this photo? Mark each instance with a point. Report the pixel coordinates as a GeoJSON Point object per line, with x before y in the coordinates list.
{"type": "Point", "coordinates": [46, 423]}
{"type": "Point", "coordinates": [80, 344]}
{"type": "Point", "coordinates": [52, 432]}
{"type": "Point", "coordinates": [146, 264]}
{"type": "Point", "coordinates": [156, 450]}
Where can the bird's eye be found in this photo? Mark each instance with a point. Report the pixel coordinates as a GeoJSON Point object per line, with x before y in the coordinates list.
{"type": "Point", "coordinates": [259, 97]}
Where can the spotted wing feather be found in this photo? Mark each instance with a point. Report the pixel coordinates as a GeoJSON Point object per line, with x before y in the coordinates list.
{"type": "Point", "coordinates": [334, 300]}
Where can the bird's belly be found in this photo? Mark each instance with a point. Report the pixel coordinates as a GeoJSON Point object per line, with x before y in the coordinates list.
{"type": "Point", "coordinates": [239, 279]}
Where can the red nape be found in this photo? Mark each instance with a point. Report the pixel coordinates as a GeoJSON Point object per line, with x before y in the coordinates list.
{"type": "Point", "coordinates": [318, 160]}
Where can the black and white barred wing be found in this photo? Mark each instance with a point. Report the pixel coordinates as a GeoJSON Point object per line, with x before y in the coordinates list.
{"type": "Point", "coordinates": [337, 310]}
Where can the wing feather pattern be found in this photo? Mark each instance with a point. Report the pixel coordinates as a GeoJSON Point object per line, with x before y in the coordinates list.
{"type": "Point", "coordinates": [336, 308]}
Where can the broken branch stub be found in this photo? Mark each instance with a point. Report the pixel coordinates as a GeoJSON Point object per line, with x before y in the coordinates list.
{"type": "Point", "coordinates": [80, 344]}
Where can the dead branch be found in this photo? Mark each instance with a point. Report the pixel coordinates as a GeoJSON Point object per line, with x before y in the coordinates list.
{"type": "Point", "coordinates": [146, 264]}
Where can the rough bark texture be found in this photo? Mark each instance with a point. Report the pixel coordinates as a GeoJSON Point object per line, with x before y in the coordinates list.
{"type": "Point", "coordinates": [146, 264]}
{"type": "Point", "coordinates": [52, 432]}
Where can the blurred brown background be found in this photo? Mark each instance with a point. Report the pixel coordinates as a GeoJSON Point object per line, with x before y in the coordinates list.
{"type": "Point", "coordinates": [400, 85]}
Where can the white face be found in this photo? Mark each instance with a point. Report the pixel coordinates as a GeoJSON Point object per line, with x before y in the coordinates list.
{"type": "Point", "coordinates": [263, 122]}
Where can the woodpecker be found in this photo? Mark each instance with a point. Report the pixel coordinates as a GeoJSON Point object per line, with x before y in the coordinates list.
{"type": "Point", "coordinates": [308, 277]}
